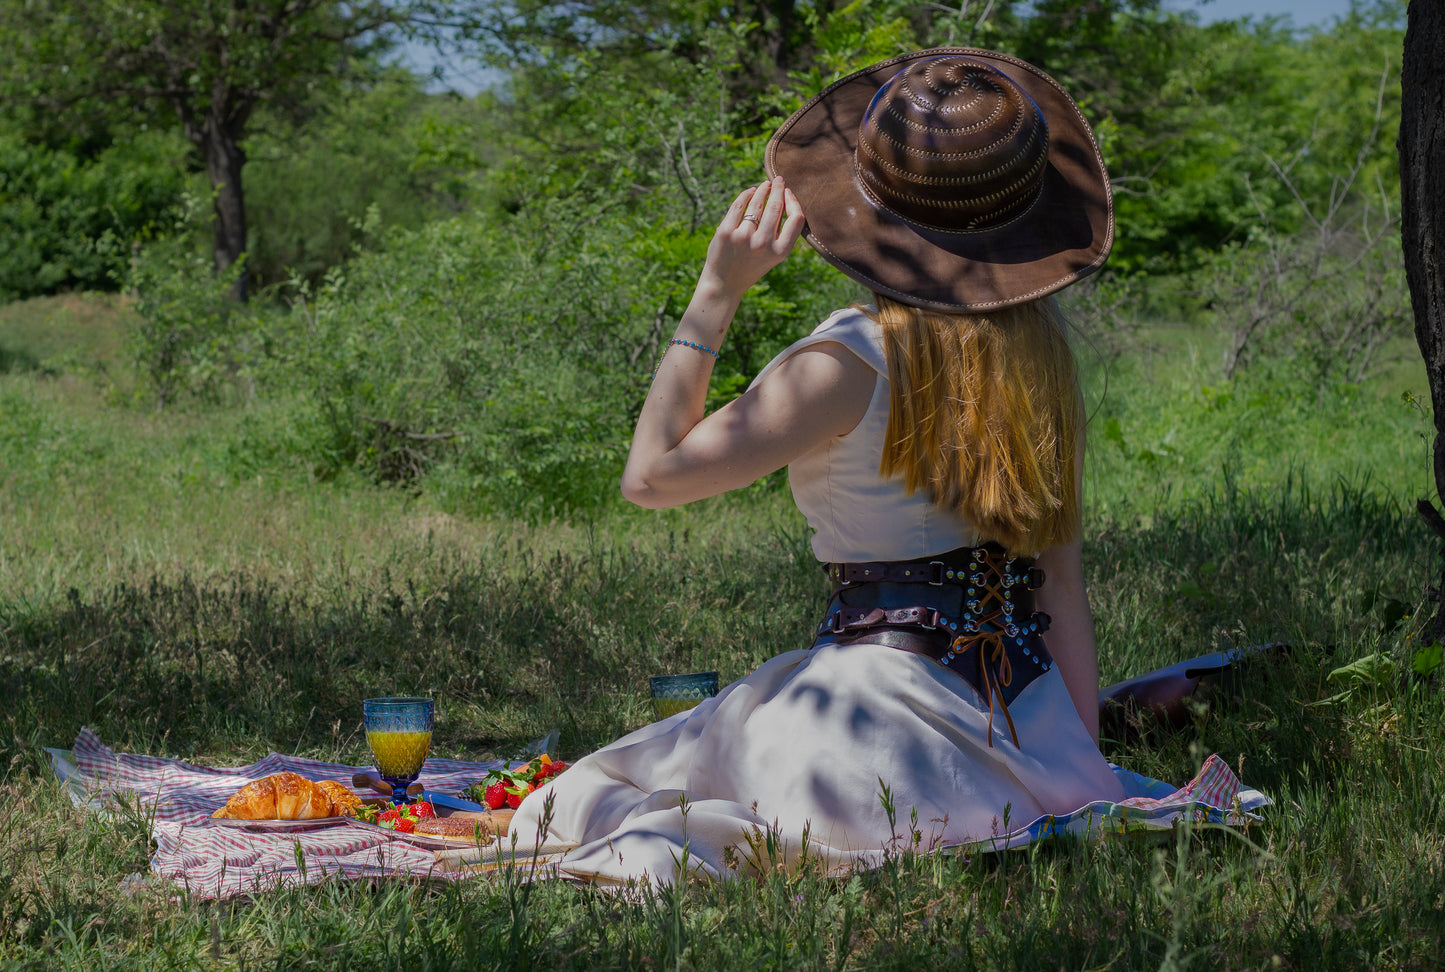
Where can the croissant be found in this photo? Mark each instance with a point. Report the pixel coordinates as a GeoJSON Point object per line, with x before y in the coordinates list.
{"type": "Point", "coordinates": [289, 796]}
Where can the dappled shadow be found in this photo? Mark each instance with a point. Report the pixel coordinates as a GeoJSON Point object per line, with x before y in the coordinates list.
{"type": "Point", "coordinates": [516, 644]}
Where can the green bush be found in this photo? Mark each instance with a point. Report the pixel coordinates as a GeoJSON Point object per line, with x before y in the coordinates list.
{"type": "Point", "coordinates": [502, 360]}
{"type": "Point", "coordinates": [67, 221]}
{"type": "Point", "coordinates": [191, 340]}
{"type": "Point", "coordinates": [387, 147]}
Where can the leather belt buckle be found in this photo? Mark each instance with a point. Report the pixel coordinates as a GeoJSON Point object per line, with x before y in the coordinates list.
{"type": "Point", "coordinates": [1035, 578]}
{"type": "Point", "coordinates": [936, 573]}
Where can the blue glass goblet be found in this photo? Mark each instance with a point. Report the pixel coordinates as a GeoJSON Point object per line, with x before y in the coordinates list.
{"type": "Point", "coordinates": [672, 694]}
{"type": "Point", "coordinates": [398, 730]}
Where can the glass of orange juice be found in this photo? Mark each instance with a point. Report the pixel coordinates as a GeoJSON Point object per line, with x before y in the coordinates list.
{"type": "Point", "coordinates": [398, 730]}
{"type": "Point", "coordinates": [672, 694]}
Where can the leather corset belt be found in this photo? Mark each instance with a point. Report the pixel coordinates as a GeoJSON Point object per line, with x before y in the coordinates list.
{"type": "Point", "coordinates": [971, 610]}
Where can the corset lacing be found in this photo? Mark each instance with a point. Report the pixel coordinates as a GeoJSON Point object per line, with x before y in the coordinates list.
{"type": "Point", "coordinates": [994, 617]}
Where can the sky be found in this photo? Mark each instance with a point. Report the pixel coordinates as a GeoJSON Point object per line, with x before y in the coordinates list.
{"type": "Point", "coordinates": [469, 79]}
{"type": "Point", "coordinates": [1304, 13]}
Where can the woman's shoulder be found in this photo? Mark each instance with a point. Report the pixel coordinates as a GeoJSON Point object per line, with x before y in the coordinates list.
{"type": "Point", "coordinates": [856, 329]}
{"type": "Point", "coordinates": [851, 327]}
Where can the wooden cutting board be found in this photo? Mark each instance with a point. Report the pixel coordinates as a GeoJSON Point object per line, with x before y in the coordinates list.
{"type": "Point", "coordinates": [493, 821]}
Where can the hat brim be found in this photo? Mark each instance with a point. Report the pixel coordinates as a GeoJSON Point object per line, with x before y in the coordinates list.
{"type": "Point", "coordinates": [1064, 236]}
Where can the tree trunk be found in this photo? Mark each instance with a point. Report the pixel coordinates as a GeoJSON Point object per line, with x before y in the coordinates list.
{"type": "Point", "coordinates": [224, 160]}
{"type": "Point", "coordinates": [1422, 223]}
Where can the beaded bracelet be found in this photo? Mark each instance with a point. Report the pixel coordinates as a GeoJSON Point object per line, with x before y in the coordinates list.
{"type": "Point", "coordinates": [687, 344]}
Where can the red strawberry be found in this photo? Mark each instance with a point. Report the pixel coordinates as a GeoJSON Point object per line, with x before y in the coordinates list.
{"type": "Point", "coordinates": [422, 810]}
{"type": "Point", "coordinates": [389, 817]}
{"type": "Point", "coordinates": [405, 826]}
{"type": "Point", "coordinates": [543, 771]}
{"type": "Point", "coordinates": [558, 766]}
{"type": "Point", "coordinates": [515, 795]}
{"type": "Point", "coordinates": [496, 797]}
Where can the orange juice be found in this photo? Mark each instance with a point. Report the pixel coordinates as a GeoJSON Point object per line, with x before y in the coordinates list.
{"type": "Point", "coordinates": [671, 707]}
{"type": "Point", "coordinates": [399, 754]}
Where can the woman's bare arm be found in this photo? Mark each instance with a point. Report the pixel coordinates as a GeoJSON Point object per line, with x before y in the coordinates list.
{"type": "Point", "coordinates": [1071, 635]}
{"type": "Point", "coordinates": [678, 454]}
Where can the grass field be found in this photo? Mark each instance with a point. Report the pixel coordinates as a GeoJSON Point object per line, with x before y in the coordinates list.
{"type": "Point", "coordinates": [162, 585]}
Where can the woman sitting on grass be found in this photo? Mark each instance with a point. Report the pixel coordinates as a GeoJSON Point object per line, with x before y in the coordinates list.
{"type": "Point", "coordinates": [934, 442]}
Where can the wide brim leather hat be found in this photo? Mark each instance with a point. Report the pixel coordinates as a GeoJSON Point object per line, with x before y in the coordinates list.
{"type": "Point", "coordinates": [953, 179]}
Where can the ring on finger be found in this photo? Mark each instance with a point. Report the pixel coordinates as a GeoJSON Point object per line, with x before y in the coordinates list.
{"type": "Point", "coordinates": [752, 218]}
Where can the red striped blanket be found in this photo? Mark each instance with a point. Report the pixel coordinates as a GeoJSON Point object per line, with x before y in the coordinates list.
{"type": "Point", "coordinates": [221, 862]}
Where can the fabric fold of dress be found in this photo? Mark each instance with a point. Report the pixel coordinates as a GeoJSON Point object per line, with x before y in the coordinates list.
{"type": "Point", "coordinates": [786, 762]}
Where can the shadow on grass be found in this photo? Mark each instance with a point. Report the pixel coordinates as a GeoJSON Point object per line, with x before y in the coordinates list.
{"type": "Point", "coordinates": [515, 644]}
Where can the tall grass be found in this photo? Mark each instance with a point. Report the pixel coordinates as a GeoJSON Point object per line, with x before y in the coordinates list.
{"type": "Point", "coordinates": [166, 586]}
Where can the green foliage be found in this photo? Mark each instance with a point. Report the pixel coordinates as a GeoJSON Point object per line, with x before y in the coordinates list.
{"type": "Point", "coordinates": [1255, 429]}
{"type": "Point", "coordinates": [508, 355]}
{"type": "Point", "coordinates": [503, 353]}
{"type": "Point", "coordinates": [1320, 284]}
{"type": "Point", "coordinates": [497, 356]}
{"type": "Point", "coordinates": [68, 220]}
{"type": "Point", "coordinates": [385, 145]}
{"type": "Point", "coordinates": [186, 341]}
{"type": "Point", "coordinates": [197, 57]}
{"type": "Point", "coordinates": [1329, 306]}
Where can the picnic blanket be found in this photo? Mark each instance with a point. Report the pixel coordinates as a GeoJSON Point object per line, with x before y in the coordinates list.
{"type": "Point", "coordinates": [222, 862]}
{"type": "Point", "coordinates": [1214, 796]}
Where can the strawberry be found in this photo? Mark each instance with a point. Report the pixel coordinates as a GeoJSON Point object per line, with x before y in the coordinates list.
{"type": "Point", "coordinates": [405, 825]}
{"type": "Point", "coordinates": [390, 817]}
{"type": "Point", "coordinates": [543, 771]}
{"type": "Point", "coordinates": [422, 810]}
{"type": "Point", "coordinates": [515, 794]}
{"type": "Point", "coordinates": [496, 796]}
{"type": "Point", "coordinates": [558, 766]}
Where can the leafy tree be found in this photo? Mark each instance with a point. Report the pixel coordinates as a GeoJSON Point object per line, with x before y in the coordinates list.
{"type": "Point", "coordinates": [208, 63]}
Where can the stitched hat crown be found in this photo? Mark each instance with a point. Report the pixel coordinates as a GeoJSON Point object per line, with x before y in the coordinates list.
{"type": "Point", "coordinates": [953, 145]}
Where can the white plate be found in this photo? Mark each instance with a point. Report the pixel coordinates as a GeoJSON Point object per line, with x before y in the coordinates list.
{"type": "Point", "coordinates": [273, 826]}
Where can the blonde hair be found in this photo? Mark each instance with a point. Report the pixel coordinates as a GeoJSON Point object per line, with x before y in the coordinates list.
{"type": "Point", "coordinates": [984, 413]}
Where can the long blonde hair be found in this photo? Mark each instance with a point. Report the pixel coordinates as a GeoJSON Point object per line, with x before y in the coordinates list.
{"type": "Point", "coordinates": [985, 413]}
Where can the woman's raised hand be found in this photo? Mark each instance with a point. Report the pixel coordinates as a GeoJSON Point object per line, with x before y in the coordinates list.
{"type": "Point", "coordinates": [756, 235]}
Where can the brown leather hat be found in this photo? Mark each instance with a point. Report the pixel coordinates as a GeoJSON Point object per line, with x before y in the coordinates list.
{"type": "Point", "coordinates": [954, 178]}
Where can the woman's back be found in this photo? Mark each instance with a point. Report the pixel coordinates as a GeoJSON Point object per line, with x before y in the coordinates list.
{"type": "Point", "coordinates": [855, 513]}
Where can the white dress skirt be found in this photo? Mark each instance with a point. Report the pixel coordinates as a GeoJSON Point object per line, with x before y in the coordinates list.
{"type": "Point", "coordinates": [795, 759]}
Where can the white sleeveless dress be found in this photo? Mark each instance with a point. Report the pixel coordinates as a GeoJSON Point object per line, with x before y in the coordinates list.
{"type": "Point", "coordinates": [796, 757]}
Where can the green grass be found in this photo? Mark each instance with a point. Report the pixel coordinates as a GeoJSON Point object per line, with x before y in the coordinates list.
{"type": "Point", "coordinates": [164, 583]}
{"type": "Point", "coordinates": [61, 333]}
